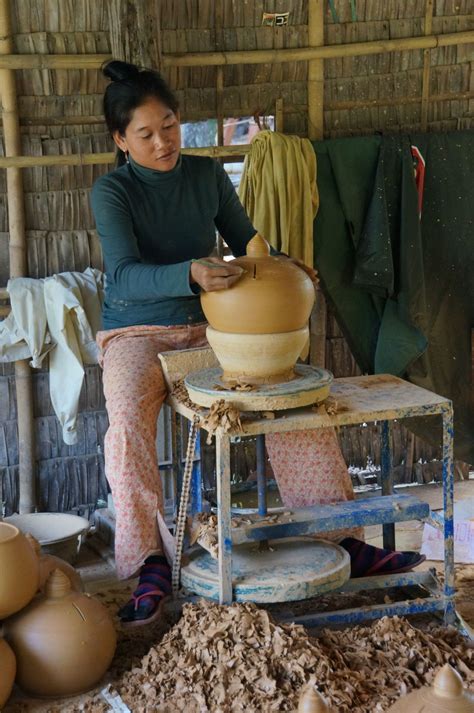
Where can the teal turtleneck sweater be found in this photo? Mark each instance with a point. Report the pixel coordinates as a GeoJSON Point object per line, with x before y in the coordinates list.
{"type": "Point", "coordinates": [151, 224]}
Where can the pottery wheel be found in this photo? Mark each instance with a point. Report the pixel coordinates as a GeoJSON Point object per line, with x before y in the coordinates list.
{"type": "Point", "coordinates": [293, 569]}
{"type": "Point", "coordinates": [311, 385]}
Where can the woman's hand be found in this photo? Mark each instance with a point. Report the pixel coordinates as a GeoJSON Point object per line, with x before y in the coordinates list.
{"type": "Point", "coordinates": [212, 274]}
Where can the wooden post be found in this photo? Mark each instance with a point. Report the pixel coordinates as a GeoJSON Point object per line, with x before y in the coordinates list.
{"type": "Point", "coordinates": [315, 70]}
{"type": "Point", "coordinates": [426, 67]}
{"type": "Point", "coordinates": [18, 263]}
{"type": "Point", "coordinates": [279, 116]}
{"type": "Point", "coordinates": [318, 320]}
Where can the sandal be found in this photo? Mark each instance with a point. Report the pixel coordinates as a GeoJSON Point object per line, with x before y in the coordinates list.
{"type": "Point", "coordinates": [136, 613]}
{"type": "Point", "coordinates": [154, 588]}
{"type": "Point", "coordinates": [367, 560]}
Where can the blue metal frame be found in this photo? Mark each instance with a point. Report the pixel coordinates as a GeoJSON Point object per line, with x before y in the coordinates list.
{"type": "Point", "coordinates": [261, 479]}
{"type": "Point", "coordinates": [196, 478]}
{"type": "Point", "coordinates": [387, 481]}
{"type": "Point", "coordinates": [438, 599]}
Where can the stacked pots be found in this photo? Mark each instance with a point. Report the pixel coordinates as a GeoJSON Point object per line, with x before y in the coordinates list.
{"type": "Point", "coordinates": [19, 582]}
{"type": "Point", "coordinates": [259, 326]}
{"type": "Point", "coordinates": [58, 642]}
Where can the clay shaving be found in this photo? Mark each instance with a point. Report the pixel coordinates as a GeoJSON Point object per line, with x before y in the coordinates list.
{"type": "Point", "coordinates": [180, 393]}
{"type": "Point", "coordinates": [234, 659]}
{"type": "Point", "coordinates": [240, 386]}
{"type": "Point", "coordinates": [204, 528]}
{"type": "Point", "coordinates": [223, 416]}
{"type": "Point", "coordinates": [329, 406]}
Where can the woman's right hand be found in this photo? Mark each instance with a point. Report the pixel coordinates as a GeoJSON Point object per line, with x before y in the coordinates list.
{"type": "Point", "coordinates": [212, 274]}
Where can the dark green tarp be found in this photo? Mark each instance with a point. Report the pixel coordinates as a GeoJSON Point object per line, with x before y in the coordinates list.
{"type": "Point", "coordinates": [403, 289]}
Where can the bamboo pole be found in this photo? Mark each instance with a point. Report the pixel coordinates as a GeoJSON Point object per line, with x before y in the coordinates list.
{"type": "Point", "coordinates": [18, 264]}
{"type": "Point", "coordinates": [316, 71]}
{"type": "Point", "coordinates": [318, 322]}
{"type": "Point", "coordinates": [395, 101]}
{"type": "Point", "coordinates": [279, 116]}
{"type": "Point", "coordinates": [100, 158]}
{"type": "Point", "coordinates": [214, 59]}
{"type": "Point", "coordinates": [426, 67]}
{"type": "Point", "coordinates": [220, 105]}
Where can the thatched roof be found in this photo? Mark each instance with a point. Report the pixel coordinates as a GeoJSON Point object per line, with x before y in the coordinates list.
{"type": "Point", "coordinates": [361, 94]}
{"type": "Point", "coordinates": [60, 112]}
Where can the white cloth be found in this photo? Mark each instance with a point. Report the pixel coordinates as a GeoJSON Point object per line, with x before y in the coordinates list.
{"type": "Point", "coordinates": [59, 315]}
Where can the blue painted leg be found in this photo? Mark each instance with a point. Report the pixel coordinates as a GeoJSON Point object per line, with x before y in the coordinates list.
{"type": "Point", "coordinates": [448, 498]}
{"type": "Point", "coordinates": [196, 479]}
{"type": "Point", "coordinates": [387, 482]}
{"type": "Point", "coordinates": [261, 479]}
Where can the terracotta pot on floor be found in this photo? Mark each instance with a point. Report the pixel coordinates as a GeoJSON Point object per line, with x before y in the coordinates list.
{"type": "Point", "coordinates": [63, 641]}
{"type": "Point", "coordinates": [7, 671]}
{"type": "Point", "coordinates": [19, 570]}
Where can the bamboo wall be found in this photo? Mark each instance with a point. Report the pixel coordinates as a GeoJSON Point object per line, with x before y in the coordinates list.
{"type": "Point", "coordinates": [60, 114]}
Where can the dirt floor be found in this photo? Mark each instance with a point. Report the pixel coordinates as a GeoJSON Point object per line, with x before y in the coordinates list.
{"type": "Point", "coordinates": [96, 567]}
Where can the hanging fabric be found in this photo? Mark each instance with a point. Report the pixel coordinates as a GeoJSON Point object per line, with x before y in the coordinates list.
{"type": "Point", "coordinates": [278, 190]}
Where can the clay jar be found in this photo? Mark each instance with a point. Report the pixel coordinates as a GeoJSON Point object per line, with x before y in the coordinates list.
{"type": "Point", "coordinates": [7, 671]}
{"type": "Point", "coordinates": [259, 326]}
{"type": "Point", "coordinates": [48, 563]}
{"type": "Point", "coordinates": [446, 695]}
{"type": "Point", "coordinates": [311, 701]}
{"type": "Point", "coordinates": [19, 570]}
{"type": "Point", "coordinates": [63, 641]}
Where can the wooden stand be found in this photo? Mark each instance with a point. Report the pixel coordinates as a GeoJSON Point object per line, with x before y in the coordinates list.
{"type": "Point", "coordinates": [360, 400]}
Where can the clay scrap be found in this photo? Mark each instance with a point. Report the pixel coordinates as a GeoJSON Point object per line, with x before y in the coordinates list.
{"type": "Point", "coordinates": [236, 658]}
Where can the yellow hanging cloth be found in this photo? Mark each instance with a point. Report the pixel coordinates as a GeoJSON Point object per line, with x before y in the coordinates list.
{"type": "Point", "coordinates": [278, 190]}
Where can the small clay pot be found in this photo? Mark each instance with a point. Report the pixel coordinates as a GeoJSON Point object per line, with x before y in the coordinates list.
{"type": "Point", "coordinates": [272, 296]}
{"type": "Point", "coordinates": [63, 641]}
{"type": "Point", "coordinates": [446, 695]}
{"type": "Point", "coordinates": [48, 563]}
{"type": "Point", "coordinates": [7, 672]}
{"type": "Point", "coordinates": [19, 568]}
{"type": "Point", "coordinates": [311, 701]}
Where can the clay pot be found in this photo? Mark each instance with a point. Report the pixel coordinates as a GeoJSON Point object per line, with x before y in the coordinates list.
{"type": "Point", "coordinates": [257, 358]}
{"type": "Point", "coordinates": [19, 570]}
{"type": "Point", "coordinates": [311, 701]}
{"type": "Point", "coordinates": [446, 695]}
{"type": "Point", "coordinates": [272, 296]}
{"type": "Point", "coordinates": [64, 641]}
{"type": "Point", "coordinates": [259, 326]}
{"type": "Point", "coordinates": [7, 671]}
{"type": "Point", "coordinates": [48, 563]}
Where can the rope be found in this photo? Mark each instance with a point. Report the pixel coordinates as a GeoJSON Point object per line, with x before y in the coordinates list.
{"type": "Point", "coordinates": [183, 505]}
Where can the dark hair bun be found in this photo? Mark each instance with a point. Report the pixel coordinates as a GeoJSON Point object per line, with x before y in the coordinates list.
{"type": "Point", "coordinates": [118, 71]}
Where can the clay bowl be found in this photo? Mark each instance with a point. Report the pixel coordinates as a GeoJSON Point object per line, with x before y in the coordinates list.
{"type": "Point", "coordinates": [19, 570]}
{"type": "Point", "coordinates": [58, 533]}
{"type": "Point", "coordinates": [257, 358]}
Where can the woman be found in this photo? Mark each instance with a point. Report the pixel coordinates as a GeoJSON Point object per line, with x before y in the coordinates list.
{"type": "Point", "coordinates": [156, 216]}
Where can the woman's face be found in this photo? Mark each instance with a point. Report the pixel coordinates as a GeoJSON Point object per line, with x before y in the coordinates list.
{"type": "Point", "coordinates": [153, 136]}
